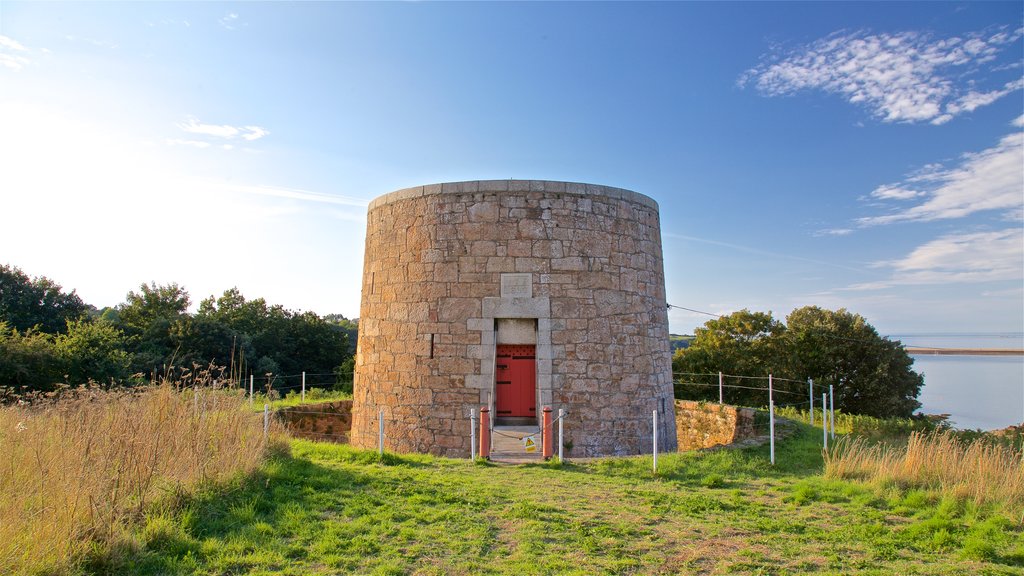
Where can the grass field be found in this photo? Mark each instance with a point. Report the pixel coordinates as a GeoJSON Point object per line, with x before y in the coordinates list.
{"type": "Point", "coordinates": [330, 509]}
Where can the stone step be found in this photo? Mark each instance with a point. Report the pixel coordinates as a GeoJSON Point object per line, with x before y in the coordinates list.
{"type": "Point", "coordinates": [507, 444]}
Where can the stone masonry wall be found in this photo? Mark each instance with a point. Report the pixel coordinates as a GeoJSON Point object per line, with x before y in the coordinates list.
{"type": "Point", "coordinates": [329, 421]}
{"type": "Point", "coordinates": [703, 425]}
{"type": "Point", "coordinates": [444, 261]}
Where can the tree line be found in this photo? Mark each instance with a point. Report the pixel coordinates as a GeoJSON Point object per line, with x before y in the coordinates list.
{"type": "Point", "coordinates": [870, 374]}
{"type": "Point", "coordinates": [51, 338]}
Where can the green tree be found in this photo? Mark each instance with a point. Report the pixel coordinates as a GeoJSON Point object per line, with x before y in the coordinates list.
{"type": "Point", "coordinates": [93, 350]}
{"type": "Point", "coordinates": [147, 318]}
{"type": "Point", "coordinates": [36, 302]}
{"type": "Point", "coordinates": [275, 340]}
{"type": "Point", "coordinates": [743, 343]}
{"type": "Point", "coordinates": [29, 361]}
{"type": "Point", "coordinates": [870, 374]}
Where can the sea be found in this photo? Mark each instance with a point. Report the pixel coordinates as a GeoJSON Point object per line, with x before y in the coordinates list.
{"type": "Point", "coordinates": [977, 392]}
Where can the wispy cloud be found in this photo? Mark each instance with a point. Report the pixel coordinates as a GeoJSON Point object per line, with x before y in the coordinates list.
{"type": "Point", "coordinates": [12, 54]}
{"type": "Point", "coordinates": [229, 21]}
{"type": "Point", "coordinates": [297, 194]}
{"type": "Point", "coordinates": [217, 133]}
{"type": "Point", "coordinates": [759, 252]}
{"type": "Point", "coordinates": [902, 77]}
{"type": "Point", "coordinates": [992, 179]}
{"type": "Point", "coordinates": [958, 258]}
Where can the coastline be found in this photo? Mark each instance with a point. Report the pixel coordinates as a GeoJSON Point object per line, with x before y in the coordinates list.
{"type": "Point", "coordinates": [924, 351]}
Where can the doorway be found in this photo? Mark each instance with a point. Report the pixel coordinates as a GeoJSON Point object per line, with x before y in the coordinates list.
{"type": "Point", "coordinates": [515, 383]}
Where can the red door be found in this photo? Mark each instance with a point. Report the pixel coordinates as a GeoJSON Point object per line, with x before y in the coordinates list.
{"type": "Point", "coordinates": [516, 380]}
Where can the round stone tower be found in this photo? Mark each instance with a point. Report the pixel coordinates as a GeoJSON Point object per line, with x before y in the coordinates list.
{"type": "Point", "coordinates": [515, 295]}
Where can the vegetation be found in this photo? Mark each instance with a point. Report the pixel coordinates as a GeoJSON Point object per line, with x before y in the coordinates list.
{"type": "Point", "coordinates": [38, 303]}
{"type": "Point", "coordinates": [169, 482]}
{"type": "Point", "coordinates": [79, 474]}
{"type": "Point", "coordinates": [870, 374]}
{"type": "Point", "coordinates": [327, 509]}
{"type": "Point", "coordinates": [48, 339]}
{"type": "Point", "coordinates": [980, 472]}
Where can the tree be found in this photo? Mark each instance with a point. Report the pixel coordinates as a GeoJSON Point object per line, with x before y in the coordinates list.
{"type": "Point", "coordinates": [36, 302]}
{"type": "Point", "coordinates": [870, 374]}
{"type": "Point", "coordinates": [93, 350]}
{"type": "Point", "coordinates": [147, 319]}
{"type": "Point", "coordinates": [28, 361]}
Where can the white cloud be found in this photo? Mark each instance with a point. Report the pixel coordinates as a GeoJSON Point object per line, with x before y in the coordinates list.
{"type": "Point", "coordinates": [992, 179]}
{"type": "Point", "coordinates": [230, 21]}
{"type": "Point", "coordinates": [218, 131]}
{"type": "Point", "coordinates": [254, 132]}
{"type": "Point", "coordinates": [902, 77]}
{"type": "Point", "coordinates": [958, 258]}
{"type": "Point", "coordinates": [890, 192]}
{"type": "Point", "coordinates": [11, 44]}
{"type": "Point", "coordinates": [834, 232]}
{"type": "Point", "coordinates": [12, 54]}
{"type": "Point", "coordinates": [1019, 122]}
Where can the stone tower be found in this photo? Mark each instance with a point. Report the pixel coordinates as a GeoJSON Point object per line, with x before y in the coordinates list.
{"type": "Point", "coordinates": [513, 294]}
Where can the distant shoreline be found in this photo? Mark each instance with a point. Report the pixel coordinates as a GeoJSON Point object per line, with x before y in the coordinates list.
{"type": "Point", "coordinates": [921, 351]}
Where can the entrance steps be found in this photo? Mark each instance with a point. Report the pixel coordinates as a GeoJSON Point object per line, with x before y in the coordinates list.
{"type": "Point", "coordinates": [507, 444]}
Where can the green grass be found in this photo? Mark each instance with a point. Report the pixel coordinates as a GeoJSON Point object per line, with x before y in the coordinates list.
{"type": "Point", "coordinates": [294, 398]}
{"type": "Point", "coordinates": [331, 509]}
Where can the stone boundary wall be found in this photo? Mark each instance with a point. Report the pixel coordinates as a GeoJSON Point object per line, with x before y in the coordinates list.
{"type": "Point", "coordinates": [329, 421]}
{"type": "Point", "coordinates": [704, 424]}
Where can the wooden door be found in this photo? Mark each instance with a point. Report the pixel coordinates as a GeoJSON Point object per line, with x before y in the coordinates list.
{"type": "Point", "coordinates": [515, 380]}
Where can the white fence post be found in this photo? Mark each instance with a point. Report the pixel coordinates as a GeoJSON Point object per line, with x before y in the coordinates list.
{"type": "Point", "coordinates": [195, 399]}
{"type": "Point", "coordinates": [824, 421]}
{"type": "Point", "coordinates": [832, 411]}
{"type": "Point", "coordinates": [250, 390]}
{"type": "Point", "coordinates": [380, 433]}
{"type": "Point", "coordinates": [810, 391]}
{"type": "Point", "coordinates": [655, 422]}
{"type": "Point", "coordinates": [303, 386]}
{"type": "Point", "coordinates": [266, 421]}
{"type": "Point", "coordinates": [560, 414]}
{"type": "Point", "coordinates": [472, 434]}
{"type": "Point", "coordinates": [771, 419]}
{"type": "Point", "coordinates": [720, 395]}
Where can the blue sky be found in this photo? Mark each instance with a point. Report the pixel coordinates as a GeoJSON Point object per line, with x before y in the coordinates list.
{"type": "Point", "coordinates": [866, 156]}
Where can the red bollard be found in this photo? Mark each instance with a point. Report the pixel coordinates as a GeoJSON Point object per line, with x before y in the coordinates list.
{"type": "Point", "coordinates": [548, 449]}
{"type": "Point", "coordinates": [485, 433]}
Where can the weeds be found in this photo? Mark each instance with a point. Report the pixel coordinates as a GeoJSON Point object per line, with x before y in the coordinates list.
{"type": "Point", "coordinates": [979, 471]}
{"type": "Point", "coordinates": [76, 472]}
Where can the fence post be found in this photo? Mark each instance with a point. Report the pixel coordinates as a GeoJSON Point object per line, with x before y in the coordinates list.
{"type": "Point", "coordinates": [485, 433]}
{"type": "Point", "coordinates": [380, 433]}
{"type": "Point", "coordinates": [303, 386]}
{"type": "Point", "coordinates": [810, 391]}
{"type": "Point", "coordinates": [560, 443]}
{"type": "Point", "coordinates": [824, 421]}
{"type": "Point", "coordinates": [548, 450]}
{"type": "Point", "coordinates": [720, 395]}
{"type": "Point", "coordinates": [472, 434]}
{"type": "Point", "coordinates": [832, 411]}
{"type": "Point", "coordinates": [250, 390]}
{"type": "Point", "coordinates": [771, 419]}
{"type": "Point", "coordinates": [266, 421]}
{"type": "Point", "coordinates": [195, 399]}
{"type": "Point", "coordinates": [654, 448]}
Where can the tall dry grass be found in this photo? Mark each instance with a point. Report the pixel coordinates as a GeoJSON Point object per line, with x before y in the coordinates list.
{"type": "Point", "coordinates": [981, 471]}
{"type": "Point", "coordinates": [75, 473]}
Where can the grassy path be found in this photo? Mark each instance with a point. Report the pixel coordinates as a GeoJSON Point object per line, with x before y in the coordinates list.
{"type": "Point", "coordinates": [328, 509]}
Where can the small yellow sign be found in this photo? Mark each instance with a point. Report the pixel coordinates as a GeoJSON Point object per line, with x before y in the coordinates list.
{"type": "Point", "coordinates": [530, 444]}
